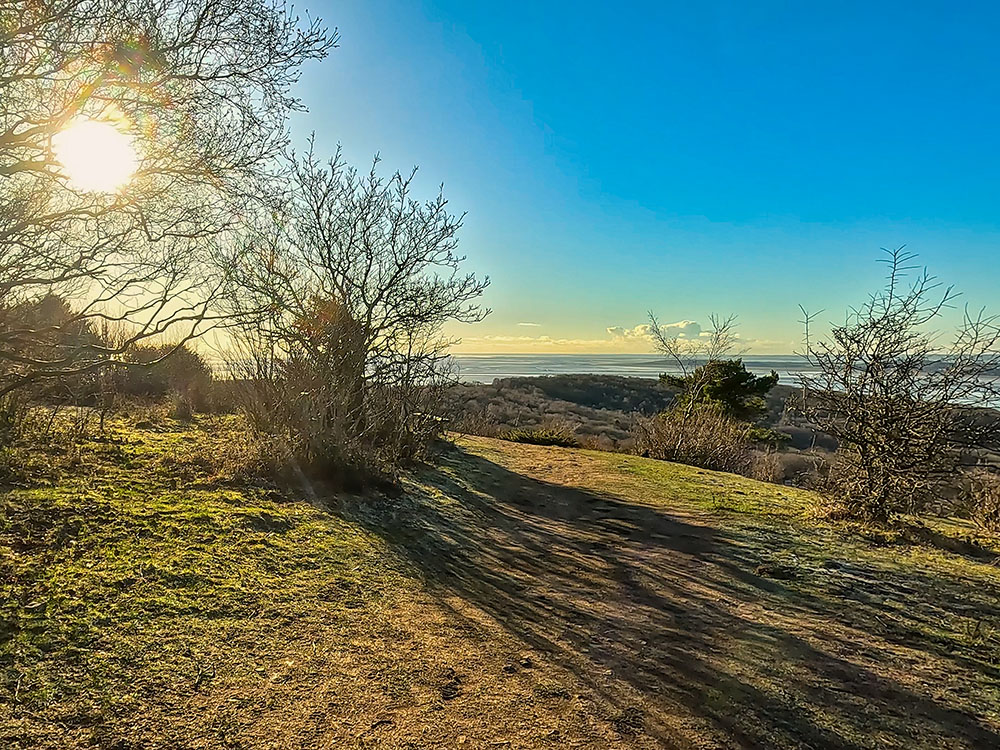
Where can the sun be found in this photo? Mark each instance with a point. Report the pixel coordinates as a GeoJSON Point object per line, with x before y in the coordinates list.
{"type": "Point", "coordinates": [96, 155]}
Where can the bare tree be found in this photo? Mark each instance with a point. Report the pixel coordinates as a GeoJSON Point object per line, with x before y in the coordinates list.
{"type": "Point", "coordinates": [903, 399]}
{"type": "Point", "coordinates": [202, 89]}
{"type": "Point", "coordinates": [689, 355]}
{"type": "Point", "coordinates": [343, 295]}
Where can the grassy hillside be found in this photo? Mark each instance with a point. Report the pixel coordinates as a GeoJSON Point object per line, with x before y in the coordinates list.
{"type": "Point", "coordinates": [514, 596]}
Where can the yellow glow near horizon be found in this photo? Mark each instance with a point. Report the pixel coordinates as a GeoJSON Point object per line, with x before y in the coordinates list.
{"type": "Point", "coordinates": [96, 155]}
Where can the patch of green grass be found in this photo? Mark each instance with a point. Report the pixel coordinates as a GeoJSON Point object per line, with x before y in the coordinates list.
{"type": "Point", "coordinates": [703, 489]}
{"type": "Point", "coordinates": [126, 576]}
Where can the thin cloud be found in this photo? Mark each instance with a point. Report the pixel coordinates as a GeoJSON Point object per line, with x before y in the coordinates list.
{"type": "Point", "coordinates": [641, 331]}
{"type": "Point", "coordinates": [619, 340]}
{"type": "Point", "coordinates": [683, 329]}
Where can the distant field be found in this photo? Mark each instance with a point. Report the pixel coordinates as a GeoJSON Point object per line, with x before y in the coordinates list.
{"type": "Point", "coordinates": [516, 596]}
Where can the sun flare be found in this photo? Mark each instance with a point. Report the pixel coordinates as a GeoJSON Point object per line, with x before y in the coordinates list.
{"type": "Point", "coordinates": [96, 155]}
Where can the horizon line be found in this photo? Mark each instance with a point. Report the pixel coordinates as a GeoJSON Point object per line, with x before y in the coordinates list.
{"type": "Point", "coordinates": [604, 354]}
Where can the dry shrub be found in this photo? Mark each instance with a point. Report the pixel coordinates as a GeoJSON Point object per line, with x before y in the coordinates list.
{"type": "Point", "coordinates": [181, 406]}
{"type": "Point", "coordinates": [846, 489]}
{"type": "Point", "coordinates": [892, 388]}
{"type": "Point", "coordinates": [249, 456]}
{"type": "Point", "coordinates": [228, 450]}
{"type": "Point", "coordinates": [702, 436]}
{"type": "Point", "coordinates": [982, 498]}
{"type": "Point", "coordinates": [232, 452]}
{"type": "Point", "coordinates": [474, 423]}
{"type": "Point", "coordinates": [600, 443]}
{"type": "Point", "coordinates": [843, 487]}
{"type": "Point", "coordinates": [767, 466]}
{"type": "Point", "coordinates": [48, 441]}
{"type": "Point", "coordinates": [339, 318]}
{"type": "Point", "coordinates": [145, 414]}
{"type": "Point", "coordinates": [327, 419]}
{"type": "Point", "coordinates": [225, 396]}
{"type": "Point", "coordinates": [157, 371]}
{"type": "Point", "coordinates": [801, 469]}
{"type": "Point", "coordinates": [14, 409]}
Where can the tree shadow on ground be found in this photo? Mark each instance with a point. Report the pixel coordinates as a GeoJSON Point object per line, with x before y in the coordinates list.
{"type": "Point", "coordinates": [664, 617]}
{"type": "Point", "coordinates": [916, 534]}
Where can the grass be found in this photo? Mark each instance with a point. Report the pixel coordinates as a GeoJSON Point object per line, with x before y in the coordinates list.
{"type": "Point", "coordinates": [511, 596]}
{"type": "Point", "coordinates": [123, 587]}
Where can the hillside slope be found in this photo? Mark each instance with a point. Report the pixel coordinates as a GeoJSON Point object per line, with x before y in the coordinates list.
{"type": "Point", "coordinates": [601, 409]}
{"type": "Point", "coordinates": [514, 596]}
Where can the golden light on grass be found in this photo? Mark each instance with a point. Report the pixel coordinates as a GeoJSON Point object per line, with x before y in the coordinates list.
{"type": "Point", "coordinates": [96, 155]}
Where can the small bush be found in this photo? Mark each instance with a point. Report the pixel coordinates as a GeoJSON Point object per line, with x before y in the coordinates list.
{"type": "Point", "coordinates": [328, 420]}
{"type": "Point", "coordinates": [230, 452]}
{"type": "Point", "coordinates": [804, 469]}
{"type": "Point", "coordinates": [553, 435]}
{"type": "Point", "coordinates": [249, 456]}
{"type": "Point", "coordinates": [474, 423]}
{"type": "Point", "coordinates": [983, 498]}
{"type": "Point", "coordinates": [703, 437]}
{"type": "Point", "coordinates": [846, 491]}
{"type": "Point", "coordinates": [13, 416]}
{"type": "Point", "coordinates": [600, 443]}
{"type": "Point", "coordinates": [181, 406]}
{"type": "Point", "coordinates": [159, 371]}
{"type": "Point", "coordinates": [769, 436]}
{"type": "Point", "coordinates": [225, 395]}
{"type": "Point", "coordinates": [767, 466]}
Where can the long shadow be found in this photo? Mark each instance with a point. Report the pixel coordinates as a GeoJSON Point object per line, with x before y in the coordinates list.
{"type": "Point", "coordinates": [625, 594]}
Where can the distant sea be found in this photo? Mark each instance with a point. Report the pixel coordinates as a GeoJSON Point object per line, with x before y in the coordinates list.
{"type": "Point", "coordinates": [484, 368]}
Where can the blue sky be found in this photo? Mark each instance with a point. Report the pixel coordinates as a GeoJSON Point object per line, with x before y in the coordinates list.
{"type": "Point", "coordinates": [687, 158]}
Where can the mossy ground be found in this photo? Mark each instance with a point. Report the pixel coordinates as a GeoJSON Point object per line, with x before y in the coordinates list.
{"type": "Point", "coordinates": [128, 592]}
{"type": "Point", "coordinates": [511, 596]}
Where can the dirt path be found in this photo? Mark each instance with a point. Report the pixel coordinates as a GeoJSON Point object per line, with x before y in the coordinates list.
{"type": "Point", "coordinates": [662, 627]}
